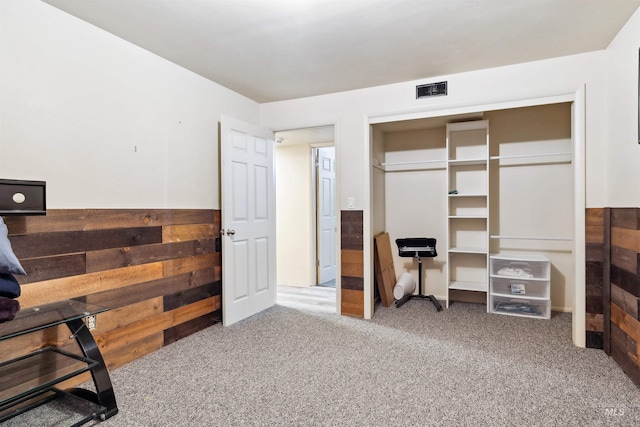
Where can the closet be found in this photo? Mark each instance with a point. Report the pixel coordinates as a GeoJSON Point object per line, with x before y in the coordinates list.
{"type": "Point", "coordinates": [484, 184]}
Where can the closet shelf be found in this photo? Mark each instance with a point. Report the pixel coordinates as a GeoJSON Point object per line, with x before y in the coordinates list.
{"type": "Point", "coordinates": [559, 239]}
{"type": "Point", "coordinates": [522, 156]}
{"type": "Point", "coordinates": [468, 250]}
{"type": "Point", "coordinates": [469, 286]}
{"type": "Point", "coordinates": [467, 195]}
{"type": "Point", "coordinates": [467, 216]}
{"type": "Point", "coordinates": [413, 162]}
{"type": "Point", "coordinates": [412, 166]}
{"type": "Point", "coordinates": [467, 162]}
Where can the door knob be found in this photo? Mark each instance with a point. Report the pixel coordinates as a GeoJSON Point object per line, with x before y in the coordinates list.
{"type": "Point", "coordinates": [231, 232]}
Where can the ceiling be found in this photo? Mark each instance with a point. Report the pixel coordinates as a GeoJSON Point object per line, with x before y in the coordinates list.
{"type": "Point", "coordinates": [311, 135]}
{"type": "Point", "coordinates": [271, 50]}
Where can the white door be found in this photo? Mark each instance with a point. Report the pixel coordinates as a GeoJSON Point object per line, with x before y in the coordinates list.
{"type": "Point", "coordinates": [326, 191]}
{"type": "Point", "coordinates": [248, 220]}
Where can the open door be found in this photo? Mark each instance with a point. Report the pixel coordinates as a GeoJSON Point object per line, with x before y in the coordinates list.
{"type": "Point", "coordinates": [326, 213]}
{"type": "Point", "coordinates": [248, 228]}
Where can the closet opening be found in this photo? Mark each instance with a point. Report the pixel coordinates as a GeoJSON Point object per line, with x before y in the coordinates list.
{"type": "Point", "coordinates": [498, 181]}
{"type": "Point", "coordinates": [306, 225]}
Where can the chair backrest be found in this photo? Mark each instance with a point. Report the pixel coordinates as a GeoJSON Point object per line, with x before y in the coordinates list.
{"type": "Point", "coordinates": [411, 247]}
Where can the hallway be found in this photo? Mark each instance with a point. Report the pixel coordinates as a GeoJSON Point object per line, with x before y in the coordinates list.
{"type": "Point", "coordinates": [315, 298]}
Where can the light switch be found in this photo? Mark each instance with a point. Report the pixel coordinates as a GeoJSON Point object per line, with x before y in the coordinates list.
{"type": "Point", "coordinates": [351, 202]}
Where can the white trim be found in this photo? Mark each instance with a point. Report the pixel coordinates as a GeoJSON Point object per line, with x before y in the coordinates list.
{"type": "Point", "coordinates": [367, 235]}
{"type": "Point", "coordinates": [337, 196]}
{"type": "Point", "coordinates": [336, 143]}
{"type": "Point", "coordinates": [578, 132]}
{"type": "Point", "coordinates": [531, 102]}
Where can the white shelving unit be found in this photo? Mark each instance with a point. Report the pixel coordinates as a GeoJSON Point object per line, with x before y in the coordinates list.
{"type": "Point", "coordinates": [520, 285]}
{"type": "Point", "coordinates": [467, 207]}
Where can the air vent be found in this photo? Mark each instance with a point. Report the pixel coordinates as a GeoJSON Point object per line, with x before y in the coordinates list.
{"type": "Point", "coordinates": [431, 89]}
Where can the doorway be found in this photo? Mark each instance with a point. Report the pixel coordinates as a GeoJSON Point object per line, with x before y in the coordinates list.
{"type": "Point", "coordinates": [306, 220]}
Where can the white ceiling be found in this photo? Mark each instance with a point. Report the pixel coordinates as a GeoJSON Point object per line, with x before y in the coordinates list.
{"type": "Point", "coordinates": [312, 135]}
{"type": "Point", "coordinates": [270, 50]}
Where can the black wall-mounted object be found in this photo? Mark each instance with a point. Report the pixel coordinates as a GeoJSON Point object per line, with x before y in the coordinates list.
{"type": "Point", "coordinates": [431, 89]}
{"type": "Point", "coordinates": [19, 197]}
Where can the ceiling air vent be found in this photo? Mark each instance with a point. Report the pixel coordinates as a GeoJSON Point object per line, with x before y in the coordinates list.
{"type": "Point", "coordinates": [431, 89]}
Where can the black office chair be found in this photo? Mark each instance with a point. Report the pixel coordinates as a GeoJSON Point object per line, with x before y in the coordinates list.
{"type": "Point", "coordinates": [418, 247]}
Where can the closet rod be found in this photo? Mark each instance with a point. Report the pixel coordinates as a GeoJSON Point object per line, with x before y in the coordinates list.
{"type": "Point", "coordinates": [415, 162]}
{"type": "Point", "coordinates": [520, 156]}
{"type": "Point", "coordinates": [559, 239]}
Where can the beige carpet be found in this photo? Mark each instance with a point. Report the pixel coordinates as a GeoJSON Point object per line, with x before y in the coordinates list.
{"type": "Point", "coordinates": [409, 366]}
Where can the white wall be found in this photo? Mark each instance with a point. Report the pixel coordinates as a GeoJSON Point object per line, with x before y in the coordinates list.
{"type": "Point", "coordinates": [352, 110]}
{"type": "Point", "coordinates": [295, 226]}
{"type": "Point", "coordinates": [105, 123]}
{"type": "Point", "coordinates": [415, 201]}
{"type": "Point", "coordinates": [623, 152]}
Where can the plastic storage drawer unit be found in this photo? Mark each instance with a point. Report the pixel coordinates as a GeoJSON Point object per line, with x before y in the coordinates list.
{"type": "Point", "coordinates": [521, 307]}
{"type": "Point", "coordinates": [520, 288]}
{"type": "Point", "coordinates": [520, 266]}
{"type": "Point", "coordinates": [519, 285]}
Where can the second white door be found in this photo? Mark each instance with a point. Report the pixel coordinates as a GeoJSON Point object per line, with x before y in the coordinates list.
{"type": "Point", "coordinates": [326, 189]}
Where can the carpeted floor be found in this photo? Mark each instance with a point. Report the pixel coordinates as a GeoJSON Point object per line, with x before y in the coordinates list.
{"type": "Point", "coordinates": [409, 366]}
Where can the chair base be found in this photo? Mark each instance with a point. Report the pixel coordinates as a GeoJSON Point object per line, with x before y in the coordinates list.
{"type": "Point", "coordinates": [406, 298]}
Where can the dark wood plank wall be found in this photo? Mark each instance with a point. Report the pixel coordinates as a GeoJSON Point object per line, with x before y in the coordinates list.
{"type": "Point", "coordinates": [624, 337]}
{"type": "Point", "coordinates": [613, 285]}
{"type": "Point", "coordinates": [352, 263]}
{"type": "Point", "coordinates": [158, 270]}
{"type": "Point", "coordinates": [594, 237]}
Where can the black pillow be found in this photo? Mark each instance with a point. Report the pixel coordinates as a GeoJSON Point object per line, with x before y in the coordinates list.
{"type": "Point", "coordinates": [9, 286]}
{"type": "Point", "coordinates": [8, 309]}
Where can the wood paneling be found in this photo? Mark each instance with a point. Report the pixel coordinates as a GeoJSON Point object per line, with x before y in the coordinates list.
{"type": "Point", "coordinates": [158, 270]}
{"type": "Point", "coordinates": [352, 303]}
{"type": "Point", "coordinates": [86, 284]}
{"type": "Point", "coordinates": [594, 322]}
{"type": "Point", "coordinates": [108, 259]}
{"type": "Point", "coordinates": [595, 259]}
{"type": "Point", "coordinates": [628, 281]}
{"type": "Point", "coordinates": [622, 296]}
{"type": "Point", "coordinates": [627, 218]}
{"type": "Point", "coordinates": [53, 267]}
{"type": "Point", "coordinates": [181, 233]}
{"type": "Point", "coordinates": [623, 299]}
{"type": "Point", "coordinates": [626, 239]}
{"type": "Point", "coordinates": [594, 225]}
{"type": "Point", "coordinates": [46, 244]}
{"type": "Point", "coordinates": [352, 263]}
{"type": "Point", "coordinates": [352, 229]}
{"type": "Point", "coordinates": [625, 259]}
{"type": "Point", "coordinates": [624, 352]}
